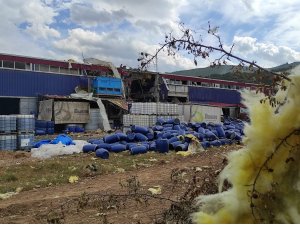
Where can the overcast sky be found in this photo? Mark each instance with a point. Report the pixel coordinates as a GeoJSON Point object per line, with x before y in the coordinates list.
{"type": "Point", "coordinates": [267, 31]}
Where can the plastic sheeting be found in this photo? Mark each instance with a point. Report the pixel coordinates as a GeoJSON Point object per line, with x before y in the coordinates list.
{"type": "Point", "coordinates": [103, 116]}
{"type": "Point", "coordinates": [49, 150]}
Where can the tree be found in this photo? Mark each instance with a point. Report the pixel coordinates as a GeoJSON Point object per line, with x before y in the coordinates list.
{"type": "Point", "coordinates": [190, 42]}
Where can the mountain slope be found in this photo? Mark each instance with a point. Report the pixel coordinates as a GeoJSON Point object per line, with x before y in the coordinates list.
{"type": "Point", "coordinates": [227, 72]}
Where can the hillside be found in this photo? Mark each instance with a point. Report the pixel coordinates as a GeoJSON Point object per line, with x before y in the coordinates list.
{"type": "Point", "coordinates": [227, 72]}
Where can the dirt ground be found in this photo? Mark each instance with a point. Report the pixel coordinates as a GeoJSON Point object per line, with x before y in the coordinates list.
{"type": "Point", "coordinates": [119, 197]}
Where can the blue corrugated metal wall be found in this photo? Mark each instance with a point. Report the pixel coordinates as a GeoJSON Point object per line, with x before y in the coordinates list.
{"type": "Point", "coordinates": [202, 94]}
{"type": "Point", "coordinates": [31, 84]}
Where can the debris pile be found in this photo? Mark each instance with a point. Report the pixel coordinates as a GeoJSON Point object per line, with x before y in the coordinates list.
{"type": "Point", "coordinates": [167, 135]}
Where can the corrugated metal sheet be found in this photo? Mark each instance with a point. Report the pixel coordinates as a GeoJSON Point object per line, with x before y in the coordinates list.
{"type": "Point", "coordinates": [202, 94]}
{"type": "Point", "coordinates": [31, 84]}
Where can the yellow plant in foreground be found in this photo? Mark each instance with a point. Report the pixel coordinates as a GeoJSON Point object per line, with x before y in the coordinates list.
{"type": "Point", "coordinates": [265, 174]}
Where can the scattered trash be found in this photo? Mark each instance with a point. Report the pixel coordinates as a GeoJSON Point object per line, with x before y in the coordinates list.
{"type": "Point", "coordinates": [120, 170]}
{"type": "Point", "coordinates": [73, 179]}
{"type": "Point", "coordinates": [156, 190]}
{"type": "Point", "coordinates": [10, 194]}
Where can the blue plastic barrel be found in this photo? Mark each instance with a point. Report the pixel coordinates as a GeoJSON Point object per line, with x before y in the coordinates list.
{"type": "Point", "coordinates": [79, 129]}
{"type": "Point", "coordinates": [146, 144]}
{"type": "Point", "coordinates": [167, 128]}
{"type": "Point", "coordinates": [40, 132]}
{"type": "Point", "coordinates": [173, 139]}
{"type": "Point", "coordinates": [174, 144]}
{"type": "Point", "coordinates": [97, 141]}
{"type": "Point", "coordinates": [162, 145]}
{"type": "Point", "coordinates": [139, 129]}
{"type": "Point", "coordinates": [158, 134]}
{"type": "Point", "coordinates": [160, 121]}
{"type": "Point", "coordinates": [216, 143]}
{"type": "Point", "coordinates": [50, 124]}
{"type": "Point", "coordinates": [225, 141]}
{"type": "Point", "coordinates": [205, 144]}
{"type": "Point", "coordinates": [210, 135]}
{"type": "Point", "coordinates": [238, 137]}
{"type": "Point", "coordinates": [130, 137]}
{"type": "Point", "coordinates": [182, 147]}
{"type": "Point", "coordinates": [122, 136]}
{"type": "Point", "coordinates": [215, 132]}
{"type": "Point", "coordinates": [89, 148]}
{"type": "Point", "coordinates": [141, 149]}
{"type": "Point", "coordinates": [230, 134]}
{"type": "Point", "coordinates": [140, 137]}
{"type": "Point", "coordinates": [150, 136]}
{"type": "Point", "coordinates": [152, 146]}
{"type": "Point", "coordinates": [71, 128]}
{"type": "Point", "coordinates": [111, 138]}
{"type": "Point", "coordinates": [123, 142]}
{"type": "Point", "coordinates": [130, 145]}
{"type": "Point", "coordinates": [117, 148]}
{"type": "Point", "coordinates": [201, 130]}
{"type": "Point", "coordinates": [167, 135]}
{"type": "Point", "coordinates": [168, 125]}
{"type": "Point", "coordinates": [50, 131]}
{"type": "Point", "coordinates": [177, 127]}
{"type": "Point", "coordinates": [102, 153]}
{"type": "Point", "coordinates": [203, 124]}
{"type": "Point", "coordinates": [158, 128]}
{"type": "Point", "coordinates": [91, 140]}
{"type": "Point", "coordinates": [104, 145]}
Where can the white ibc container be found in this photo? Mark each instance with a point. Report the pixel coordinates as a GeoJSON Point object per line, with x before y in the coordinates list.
{"type": "Point", "coordinates": [25, 141]}
{"type": "Point", "coordinates": [94, 121]}
{"type": "Point", "coordinates": [8, 123]}
{"type": "Point", "coordinates": [25, 123]}
{"type": "Point", "coordinates": [8, 142]}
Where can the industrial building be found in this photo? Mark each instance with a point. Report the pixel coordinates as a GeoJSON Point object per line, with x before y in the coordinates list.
{"type": "Point", "coordinates": [25, 81]}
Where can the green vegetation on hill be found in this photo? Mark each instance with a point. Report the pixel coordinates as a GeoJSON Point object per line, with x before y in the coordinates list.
{"type": "Point", "coordinates": [227, 72]}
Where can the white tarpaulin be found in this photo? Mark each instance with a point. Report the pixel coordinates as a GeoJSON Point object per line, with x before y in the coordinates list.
{"type": "Point", "coordinates": [103, 116]}
{"type": "Point", "coordinates": [49, 150]}
{"type": "Point", "coordinates": [45, 110]}
{"type": "Point", "coordinates": [71, 112]}
{"type": "Point", "coordinates": [200, 113]}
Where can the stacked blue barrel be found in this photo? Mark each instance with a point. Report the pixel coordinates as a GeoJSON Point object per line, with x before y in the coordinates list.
{"type": "Point", "coordinates": [74, 128]}
{"type": "Point", "coordinates": [25, 129]}
{"type": "Point", "coordinates": [167, 135]}
{"type": "Point", "coordinates": [43, 127]}
{"type": "Point", "coordinates": [8, 132]}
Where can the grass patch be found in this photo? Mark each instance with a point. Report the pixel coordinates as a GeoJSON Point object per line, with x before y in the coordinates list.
{"type": "Point", "coordinates": [8, 177]}
{"type": "Point", "coordinates": [57, 170]}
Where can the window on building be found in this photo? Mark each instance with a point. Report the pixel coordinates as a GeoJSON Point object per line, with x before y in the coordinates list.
{"type": "Point", "coordinates": [54, 69]}
{"type": "Point", "coordinates": [37, 67]}
{"type": "Point", "coordinates": [8, 64]}
{"type": "Point", "coordinates": [64, 70]}
{"type": "Point", "coordinates": [20, 65]}
{"type": "Point", "coordinates": [44, 68]}
{"type": "Point", "coordinates": [74, 71]}
{"type": "Point", "coordinates": [27, 66]}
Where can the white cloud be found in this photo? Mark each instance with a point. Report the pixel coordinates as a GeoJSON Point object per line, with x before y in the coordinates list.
{"type": "Point", "coordinates": [118, 30]}
{"type": "Point", "coordinates": [266, 54]}
{"type": "Point", "coordinates": [86, 15]}
{"type": "Point", "coordinates": [115, 47]}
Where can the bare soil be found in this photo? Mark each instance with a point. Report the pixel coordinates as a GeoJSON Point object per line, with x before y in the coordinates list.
{"type": "Point", "coordinates": [121, 197]}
